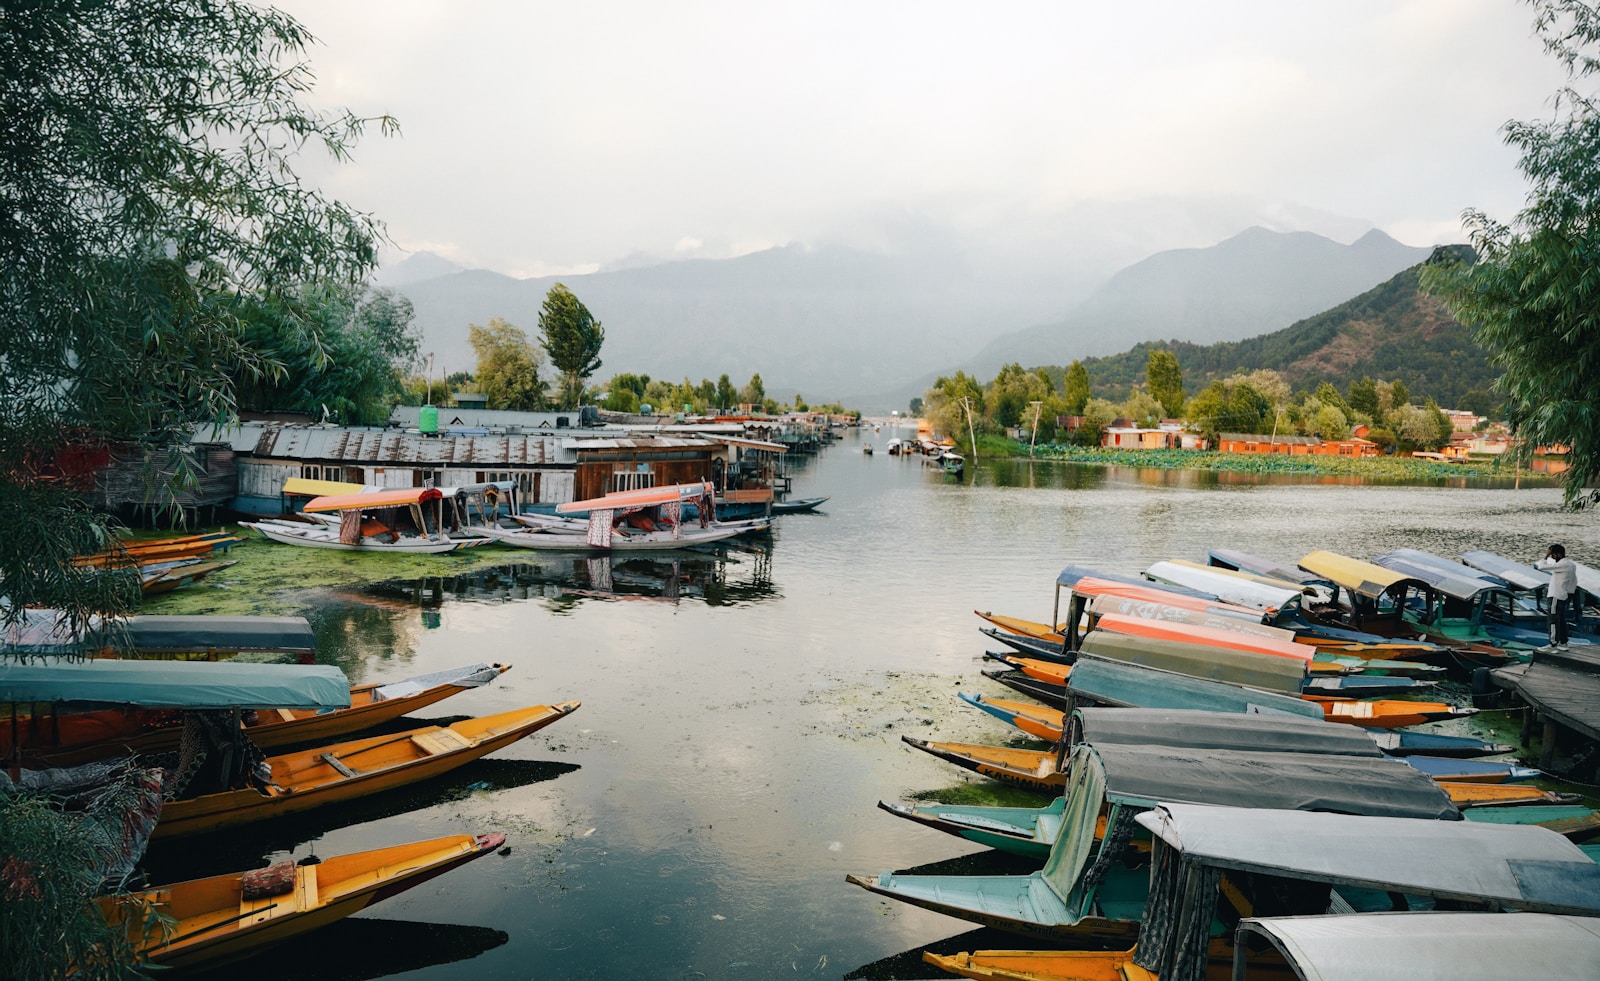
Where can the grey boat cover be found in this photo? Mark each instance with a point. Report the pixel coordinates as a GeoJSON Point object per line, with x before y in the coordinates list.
{"type": "Point", "coordinates": [1450, 578]}
{"type": "Point", "coordinates": [1218, 618]}
{"type": "Point", "coordinates": [1072, 573]}
{"type": "Point", "coordinates": [1132, 685]}
{"type": "Point", "coordinates": [1527, 868]}
{"type": "Point", "coordinates": [1408, 946]}
{"type": "Point", "coordinates": [1146, 775]}
{"type": "Point", "coordinates": [175, 684]}
{"type": "Point", "coordinates": [185, 634]}
{"type": "Point", "coordinates": [1267, 672]}
{"type": "Point", "coordinates": [1524, 577]}
{"type": "Point", "coordinates": [1231, 558]}
{"type": "Point", "coordinates": [468, 676]}
{"type": "Point", "coordinates": [1194, 729]}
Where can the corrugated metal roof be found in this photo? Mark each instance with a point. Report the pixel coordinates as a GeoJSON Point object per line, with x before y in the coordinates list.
{"type": "Point", "coordinates": [383, 446]}
{"type": "Point", "coordinates": [580, 444]}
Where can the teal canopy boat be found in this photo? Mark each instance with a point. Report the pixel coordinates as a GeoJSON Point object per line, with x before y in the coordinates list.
{"type": "Point", "coordinates": [1105, 681]}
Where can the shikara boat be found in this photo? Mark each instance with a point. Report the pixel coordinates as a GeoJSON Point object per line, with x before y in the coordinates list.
{"type": "Point", "coordinates": [1038, 721]}
{"type": "Point", "coordinates": [1044, 650]}
{"type": "Point", "coordinates": [1027, 628]}
{"type": "Point", "coordinates": [329, 774]}
{"type": "Point", "coordinates": [1386, 713]}
{"type": "Point", "coordinates": [1086, 892]}
{"type": "Point", "coordinates": [1267, 600]}
{"type": "Point", "coordinates": [618, 540]}
{"type": "Point", "coordinates": [1261, 863]}
{"type": "Point", "coordinates": [141, 552]}
{"type": "Point", "coordinates": [225, 918]}
{"type": "Point", "coordinates": [1017, 681]}
{"type": "Point", "coordinates": [403, 520]}
{"type": "Point", "coordinates": [65, 738]}
{"type": "Point", "coordinates": [154, 581]}
{"type": "Point", "coordinates": [798, 506]}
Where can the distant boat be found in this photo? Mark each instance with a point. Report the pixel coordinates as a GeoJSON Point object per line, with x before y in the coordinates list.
{"type": "Point", "coordinates": [866, 448]}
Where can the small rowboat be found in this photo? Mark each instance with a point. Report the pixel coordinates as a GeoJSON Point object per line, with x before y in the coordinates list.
{"type": "Point", "coordinates": [215, 922]}
{"type": "Point", "coordinates": [1027, 628]}
{"type": "Point", "coordinates": [1049, 672]}
{"type": "Point", "coordinates": [1386, 713]}
{"type": "Point", "coordinates": [558, 540]}
{"type": "Point", "coordinates": [1035, 720]}
{"type": "Point", "coordinates": [314, 777]}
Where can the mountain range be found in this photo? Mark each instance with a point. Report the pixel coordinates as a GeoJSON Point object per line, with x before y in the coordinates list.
{"type": "Point", "coordinates": [872, 327]}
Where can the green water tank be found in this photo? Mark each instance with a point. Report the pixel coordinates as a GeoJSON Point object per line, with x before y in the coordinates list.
{"type": "Point", "coordinates": [429, 421]}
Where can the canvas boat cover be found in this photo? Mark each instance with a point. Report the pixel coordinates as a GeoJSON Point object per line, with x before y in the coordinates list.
{"type": "Point", "coordinates": [1347, 785]}
{"type": "Point", "coordinates": [1131, 685]}
{"type": "Point", "coordinates": [1089, 586]}
{"type": "Point", "coordinates": [1281, 646]}
{"type": "Point", "coordinates": [305, 487]}
{"type": "Point", "coordinates": [1357, 576]}
{"type": "Point", "coordinates": [47, 632]}
{"type": "Point", "coordinates": [1248, 668]}
{"type": "Point", "coordinates": [176, 684]}
{"type": "Point", "coordinates": [1294, 586]}
{"type": "Point", "coordinates": [403, 497]}
{"type": "Point", "coordinates": [1268, 599]}
{"type": "Point", "coordinates": [1521, 867]}
{"type": "Point", "coordinates": [757, 444]}
{"type": "Point", "coordinates": [1450, 578]}
{"type": "Point", "coordinates": [1146, 609]}
{"type": "Point", "coordinates": [1195, 729]}
{"type": "Point", "coordinates": [1407, 946]}
{"type": "Point", "coordinates": [1231, 558]}
{"type": "Point", "coordinates": [1069, 577]}
{"type": "Point", "coordinates": [1515, 574]}
{"type": "Point", "coordinates": [643, 498]}
{"type": "Point", "coordinates": [468, 676]}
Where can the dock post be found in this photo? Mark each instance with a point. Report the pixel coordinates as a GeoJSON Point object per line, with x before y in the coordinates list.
{"type": "Point", "coordinates": [1547, 745]}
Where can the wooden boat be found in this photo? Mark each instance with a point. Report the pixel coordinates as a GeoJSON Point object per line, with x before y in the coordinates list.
{"type": "Point", "coordinates": [1037, 721]}
{"type": "Point", "coordinates": [1043, 691]}
{"type": "Point", "coordinates": [1333, 860]}
{"type": "Point", "coordinates": [214, 921]}
{"type": "Point", "coordinates": [799, 506]}
{"type": "Point", "coordinates": [72, 738]}
{"type": "Point", "coordinates": [155, 582]}
{"type": "Point", "coordinates": [1027, 628]}
{"type": "Point", "coordinates": [1048, 672]}
{"type": "Point", "coordinates": [322, 536]}
{"type": "Point", "coordinates": [620, 539]}
{"type": "Point", "coordinates": [133, 552]}
{"type": "Point", "coordinates": [329, 774]}
{"type": "Point", "coordinates": [1467, 795]}
{"type": "Point", "coordinates": [1386, 713]}
{"type": "Point", "coordinates": [403, 520]}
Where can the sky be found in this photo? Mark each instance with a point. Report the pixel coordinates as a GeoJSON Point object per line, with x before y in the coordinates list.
{"type": "Point", "coordinates": [555, 138]}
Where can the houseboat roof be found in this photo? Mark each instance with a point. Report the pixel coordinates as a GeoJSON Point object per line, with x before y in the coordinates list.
{"type": "Point", "coordinates": [176, 684]}
{"type": "Point", "coordinates": [1357, 576]}
{"type": "Point", "coordinates": [644, 497]}
{"type": "Point", "coordinates": [352, 445]}
{"type": "Point", "coordinates": [1528, 867]}
{"type": "Point", "coordinates": [403, 497]}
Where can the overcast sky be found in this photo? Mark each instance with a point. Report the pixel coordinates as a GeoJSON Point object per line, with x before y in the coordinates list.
{"type": "Point", "coordinates": [543, 138]}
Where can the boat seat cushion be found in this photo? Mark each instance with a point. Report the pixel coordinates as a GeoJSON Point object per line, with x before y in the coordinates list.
{"type": "Point", "coordinates": [274, 880]}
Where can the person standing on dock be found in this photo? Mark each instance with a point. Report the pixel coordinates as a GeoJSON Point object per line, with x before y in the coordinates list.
{"type": "Point", "coordinates": [1563, 583]}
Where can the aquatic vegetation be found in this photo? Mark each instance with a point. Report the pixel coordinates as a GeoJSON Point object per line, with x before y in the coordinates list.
{"type": "Point", "coordinates": [1383, 468]}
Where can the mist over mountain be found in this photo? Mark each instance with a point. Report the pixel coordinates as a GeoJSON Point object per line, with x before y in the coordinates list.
{"type": "Point", "coordinates": [1255, 282]}
{"type": "Point", "coordinates": [903, 297]}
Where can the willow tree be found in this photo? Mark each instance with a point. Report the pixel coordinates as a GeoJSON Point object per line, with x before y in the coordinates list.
{"type": "Point", "coordinates": [572, 338]}
{"type": "Point", "coordinates": [1532, 297]}
{"type": "Point", "coordinates": [147, 207]}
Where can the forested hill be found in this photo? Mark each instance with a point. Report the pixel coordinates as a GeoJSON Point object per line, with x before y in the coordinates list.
{"type": "Point", "coordinates": [1393, 331]}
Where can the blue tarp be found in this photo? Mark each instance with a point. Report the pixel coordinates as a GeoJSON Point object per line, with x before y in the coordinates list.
{"type": "Point", "coordinates": [176, 684]}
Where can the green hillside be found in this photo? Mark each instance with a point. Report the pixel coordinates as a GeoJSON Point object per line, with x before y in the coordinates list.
{"type": "Point", "coordinates": [1393, 331]}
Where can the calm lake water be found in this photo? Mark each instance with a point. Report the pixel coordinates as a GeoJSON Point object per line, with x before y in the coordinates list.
{"type": "Point", "coordinates": [742, 712]}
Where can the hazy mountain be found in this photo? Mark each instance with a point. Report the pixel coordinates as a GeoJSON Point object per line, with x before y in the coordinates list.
{"type": "Point", "coordinates": [414, 268]}
{"type": "Point", "coordinates": [1391, 331]}
{"type": "Point", "coordinates": [1255, 282]}
{"type": "Point", "coordinates": [904, 301]}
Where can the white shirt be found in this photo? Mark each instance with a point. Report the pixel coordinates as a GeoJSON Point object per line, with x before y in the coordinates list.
{"type": "Point", "coordinates": [1563, 577]}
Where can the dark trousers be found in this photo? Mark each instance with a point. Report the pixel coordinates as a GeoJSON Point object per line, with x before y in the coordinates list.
{"type": "Point", "coordinates": [1558, 620]}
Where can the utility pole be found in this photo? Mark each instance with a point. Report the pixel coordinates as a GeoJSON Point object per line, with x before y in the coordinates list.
{"type": "Point", "coordinates": [1037, 405]}
{"type": "Point", "coordinates": [966, 403]}
{"type": "Point", "coordinates": [429, 399]}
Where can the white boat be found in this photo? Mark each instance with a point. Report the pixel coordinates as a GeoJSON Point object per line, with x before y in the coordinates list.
{"type": "Point", "coordinates": [560, 540]}
{"type": "Point", "coordinates": [377, 521]}
{"type": "Point", "coordinates": [578, 526]}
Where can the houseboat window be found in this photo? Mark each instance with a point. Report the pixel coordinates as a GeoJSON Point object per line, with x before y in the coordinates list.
{"type": "Point", "coordinates": [627, 480]}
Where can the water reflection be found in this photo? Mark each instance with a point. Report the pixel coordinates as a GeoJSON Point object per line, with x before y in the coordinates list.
{"type": "Point", "coordinates": [358, 949]}
{"type": "Point", "coordinates": [726, 577]}
{"type": "Point", "coordinates": [213, 854]}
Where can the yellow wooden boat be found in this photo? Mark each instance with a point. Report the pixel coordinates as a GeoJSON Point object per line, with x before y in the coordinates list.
{"type": "Point", "coordinates": [214, 922]}
{"type": "Point", "coordinates": [1501, 794]}
{"type": "Point", "coordinates": [85, 736]}
{"type": "Point", "coordinates": [314, 777]}
{"type": "Point", "coordinates": [1389, 713]}
{"type": "Point", "coordinates": [1025, 628]}
{"type": "Point", "coordinates": [1048, 672]}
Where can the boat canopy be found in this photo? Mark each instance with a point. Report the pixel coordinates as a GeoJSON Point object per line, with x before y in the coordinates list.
{"type": "Point", "coordinates": [1405, 946]}
{"type": "Point", "coordinates": [754, 444]}
{"type": "Point", "coordinates": [1232, 558]}
{"type": "Point", "coordinates": [1149, 592]}
{"type": "Point", "coordinates": [1362, 578]}
{"type": "Point", "coordinates": [305, 487]}
{"type": "Point", "coordinates": [1113, 682]}
{"type": "Point", "coordinates": [1145, 776]}
{"type": "Point", "coordinates": [1450, 578]}
{"type": "Point", "coordinates": [1072, 573]}
{"type": "Point", "coordinates": [1526, 867]}
{"type": "Point", "coordinates": [176, 684]}
{"type": "Point", "coordinates": [1588, 579]}
{"type": "Point", "coordinates": [1105, 603]}
{"type": "Point", "coordinates": [1282, 646]}
{"type": "Point", "coordinates": [1194, 729]}
{"type": "Point", "coordinates": [403, 497]}
{"type": "Point", "coordinates": [1304, 589]}
{"type": "Point", "coordinates": [48, 632]}
{"type": "Point", "coordinates": [1249, 669]}
{"type": "Point", "coordinates": [1231, 589]}
{"type": "Point", "coordinates": [643, 498]}
{"type": "Point", "coordinates": [1515, 574]}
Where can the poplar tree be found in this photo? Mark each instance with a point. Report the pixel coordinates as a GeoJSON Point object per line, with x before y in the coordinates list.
{"type": "Point", "coordinates": [572, 338]}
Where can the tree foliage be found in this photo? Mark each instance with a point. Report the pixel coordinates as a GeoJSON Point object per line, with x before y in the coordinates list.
{"type": "Point", "coordinates": [508, 366]}
{"type": "Point", "coordinates": [1164, 379]}
{"type": "Point", "coordinates": [572, 337]}
{"type": "Point", "coordinates": [1075, 389]}
{"type": "Point", "coordinates": [1533, 296]}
